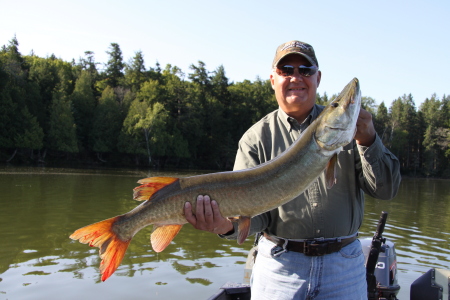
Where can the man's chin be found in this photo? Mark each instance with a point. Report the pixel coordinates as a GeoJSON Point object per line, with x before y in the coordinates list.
{"type": "Point", "coordinates": [297, 99]}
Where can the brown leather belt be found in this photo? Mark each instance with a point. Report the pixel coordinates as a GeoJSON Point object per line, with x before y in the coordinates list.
{"type": "Point", "coordinates": [311, 247]}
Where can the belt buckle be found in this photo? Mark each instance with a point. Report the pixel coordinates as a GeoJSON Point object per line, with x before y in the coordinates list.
{"type": "Point", "coordinates": [315, 248]}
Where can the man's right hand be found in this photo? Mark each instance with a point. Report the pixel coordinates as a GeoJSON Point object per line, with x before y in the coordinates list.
{"type": "Point", "coordinates": [207, 216]}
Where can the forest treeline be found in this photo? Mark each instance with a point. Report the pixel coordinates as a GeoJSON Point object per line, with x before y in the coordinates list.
{"type": "Point", "coordinates": [121, 113]}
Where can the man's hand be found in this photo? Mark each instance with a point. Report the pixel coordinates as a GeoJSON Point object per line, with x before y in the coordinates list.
{"type": "Point", "coordinates": [365, 131]}
{"type": "Point", "coordinates": [207, 216]}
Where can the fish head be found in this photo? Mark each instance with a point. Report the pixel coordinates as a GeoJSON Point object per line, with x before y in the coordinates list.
{"type": "Point", "coordinates": [337, 122]}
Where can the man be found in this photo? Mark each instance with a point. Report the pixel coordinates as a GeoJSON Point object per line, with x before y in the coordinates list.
{"type": "Point", "coordinates": [309, 248]}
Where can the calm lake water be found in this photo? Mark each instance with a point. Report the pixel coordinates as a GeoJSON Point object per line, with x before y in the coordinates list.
{"type": "Point", "coordinates": [41, 207]}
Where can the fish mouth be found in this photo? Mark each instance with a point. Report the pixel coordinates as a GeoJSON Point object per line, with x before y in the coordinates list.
{"type": "Point", "coordinates": [336, 128]}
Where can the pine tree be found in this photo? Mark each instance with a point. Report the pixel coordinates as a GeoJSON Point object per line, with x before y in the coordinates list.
{"type": "Point", "coordinates": [62, 132]}
{"type": "Point", "coordinates": [135, 72]}
{"type": "Point", "coordinates": [83, 102]}
{"type": "Point", "coordinates": [114, 66]}
{"type": "Point", "coordinates": [107, 123]}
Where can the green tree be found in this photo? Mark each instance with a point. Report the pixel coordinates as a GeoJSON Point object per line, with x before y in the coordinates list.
{"type": "Point", "coordinates": [220, 84]}
{"type": "Point", "coordinates": [368, 103]}
{"type": "Point", "coordinates": [322, 100]}
{"type": "Point", "coordinates": [19, 128]}
{"type": "Point", "coordinates": [147, 123]}
{"type": "Point", "coordinates": [174, 92]}
{"type": "Point", "coordinates": [436, 138]}
{"type": "Point", "coordinates": [62, 130]}
{"type": "Point", "coordinates": [88, 64]}
{"type": "Point", "coordinates": [49, 75]}
{"type": "Point", "coordinates": [381, 122]}
{"type": "Point", "coordinates": [446, 110]}
{"type": "Point", "coordinates": [84, 102]}
{"type": "Point", "coordinates": [406, 135]}
{"type": "Point", "coordinates": [209, 114]}
{"type": "Point", "coordinates": [107, 123]}
{"type": "Point", "coordinates": [32, 136]}
{"type": "Point", "coordinates": [13, 62]}
{"type": "Point", "coordinates": [253, 101]}
{"type": "Point", "coordinates": [115, 65]}
{"type": "Point", "coordinates": [179, 123]}
{"type": "Point", "coordinates": [131, 139]}
{"type": "Point", "coordinates": [410, 123]}
{"type": "Point", "coordinates": [135, 72]}
{"type": "Point", "coordinates": [12, 84]}
{"type": "Point", "coordinates": [8, 119]}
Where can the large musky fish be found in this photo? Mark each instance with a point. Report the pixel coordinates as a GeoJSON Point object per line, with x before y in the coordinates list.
{"type": "Point", "coordinates": [240, 194]}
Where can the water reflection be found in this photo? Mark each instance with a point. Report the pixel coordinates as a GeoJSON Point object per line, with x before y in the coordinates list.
{"type": "Point", "coordinates": [41, 208]}
{"type": "Point", "coordinates": [39, 212]}
{"type": "Point", "coordinates": [419, 225]}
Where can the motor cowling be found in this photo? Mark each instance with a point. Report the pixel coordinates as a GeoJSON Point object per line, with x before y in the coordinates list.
{"type": "Point", "coordinates": [386, 268]}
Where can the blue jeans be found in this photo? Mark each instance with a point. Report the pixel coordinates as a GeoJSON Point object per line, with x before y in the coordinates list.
{"type": "Point", "coordinates": [293, 275]}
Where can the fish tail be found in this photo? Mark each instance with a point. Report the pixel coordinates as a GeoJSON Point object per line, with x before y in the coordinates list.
{"type": "Point", "coordinates": [112, 248]}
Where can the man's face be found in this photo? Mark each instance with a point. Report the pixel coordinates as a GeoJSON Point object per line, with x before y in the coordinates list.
{"type": "Point", "coordinates": [295, 94]}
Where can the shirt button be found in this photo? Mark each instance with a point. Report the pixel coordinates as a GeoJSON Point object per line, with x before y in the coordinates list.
{"type": "Point", "coordinates": [318, 231]}
{"type": "Point", "coordinates": [314, 204]}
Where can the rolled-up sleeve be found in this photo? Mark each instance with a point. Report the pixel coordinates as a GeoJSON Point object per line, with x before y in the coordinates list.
{"type": "Point", "coordinates": [379, 171]}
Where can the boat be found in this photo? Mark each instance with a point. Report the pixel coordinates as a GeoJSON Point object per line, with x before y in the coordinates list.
{"type": "Point", "coordinates": [381, 274]}
{"type": "Point", "coordinates": [232, 291]}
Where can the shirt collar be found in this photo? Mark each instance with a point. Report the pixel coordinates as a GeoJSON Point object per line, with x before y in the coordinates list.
{"type": "Point", "coordinates": [290, 122]}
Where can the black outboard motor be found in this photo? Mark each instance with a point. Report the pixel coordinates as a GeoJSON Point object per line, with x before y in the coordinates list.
{"type": "Point", "coordinates": [381, 265]}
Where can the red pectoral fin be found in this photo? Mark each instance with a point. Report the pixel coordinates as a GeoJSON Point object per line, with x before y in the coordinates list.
{"type": "Point", "coordinates": [330, 172]}
{"type": "Point", "coordinates": [150, 186]}
{"type": "Point", "coordinates": [243, 228]}
{"type": "Point", "coordinates": [162, 236]}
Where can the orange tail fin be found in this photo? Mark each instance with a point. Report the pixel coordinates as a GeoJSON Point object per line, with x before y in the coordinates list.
{"type": "Point", "coordinates": [150, 186]}
{"type": "Point", "coordinates": [112, 248]}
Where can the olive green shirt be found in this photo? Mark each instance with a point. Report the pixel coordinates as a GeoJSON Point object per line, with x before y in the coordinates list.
{"type": "Point", "coordinates": [318, 212]}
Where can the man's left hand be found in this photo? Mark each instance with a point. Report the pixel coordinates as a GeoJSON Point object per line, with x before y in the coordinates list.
{"type": "Point", "coordinates": [365, 131]}
{"type": "Point", "coordinates": [207, 216]}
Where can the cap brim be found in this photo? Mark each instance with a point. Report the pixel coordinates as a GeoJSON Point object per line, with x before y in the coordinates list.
{"type": "Point", "coordinates": [296, 53]}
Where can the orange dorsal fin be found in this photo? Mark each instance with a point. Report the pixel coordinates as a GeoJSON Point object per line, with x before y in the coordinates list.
{"type": "Point", "coordinates": [243, 228]}
{"type": "Point", "coordinates": [150, 186]}
{"type": "Point", "coordinates": [112, 248]}
{"type": "Point", "coordinates": [163, 235]}
{"type": "Point", "coordinates": [330, 172]}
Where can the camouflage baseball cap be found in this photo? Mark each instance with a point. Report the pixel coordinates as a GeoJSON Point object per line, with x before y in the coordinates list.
{"type": "Point", "coordinates": [295, 47]}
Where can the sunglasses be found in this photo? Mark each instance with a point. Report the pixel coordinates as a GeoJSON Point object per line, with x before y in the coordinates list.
{"type": "Point", "coordinates": [288, 70]}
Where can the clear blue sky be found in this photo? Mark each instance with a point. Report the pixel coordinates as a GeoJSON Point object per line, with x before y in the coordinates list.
{"type": "Point", "coordinates": [393, 47]}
